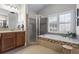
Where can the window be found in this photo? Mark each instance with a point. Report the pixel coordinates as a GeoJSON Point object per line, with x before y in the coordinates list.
{"type": "Point", "coordinates": [60, 23]}
{"type": "Point", "coordinates": [65, 17]}
{"type": "Point", "coordinates": [64, 28]}
{"type": "Point", "coordinates": [65, 22]}
{"type": "Point", "coordinates": [52, 24]}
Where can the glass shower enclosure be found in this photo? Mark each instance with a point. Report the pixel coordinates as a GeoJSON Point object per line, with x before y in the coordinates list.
{"type": "Point", "coordinates": [37, 26]}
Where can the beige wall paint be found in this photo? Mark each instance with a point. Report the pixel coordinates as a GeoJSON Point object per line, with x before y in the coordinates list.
{"type": "Point", "coordinates": [56, 8]}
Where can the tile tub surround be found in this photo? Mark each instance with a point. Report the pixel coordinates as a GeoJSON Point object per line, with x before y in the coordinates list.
{"type": "Point", "coordinates": [60, 38]}
{"type": "Point", "coordinates": [56, 43]}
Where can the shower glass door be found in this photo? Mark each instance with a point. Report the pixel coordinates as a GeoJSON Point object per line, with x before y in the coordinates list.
{"type": "Point", "coordinates": [32, 29]}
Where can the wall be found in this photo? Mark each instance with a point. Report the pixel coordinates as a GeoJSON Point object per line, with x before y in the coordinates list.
{"type": "Point", "coordinates": [22, 15]}
{"type": "Point", "coordinates": [31, 14]}
{"type": "Point", "coordinates": [3, 12]}
{"type": "Point", "coordinates": [8, 9]}
{"type": "Point", "coordinates": [77, 27]}
{"type": "Point", "coordinates": [56, 8]}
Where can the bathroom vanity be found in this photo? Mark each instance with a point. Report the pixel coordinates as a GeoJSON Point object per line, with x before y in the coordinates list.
{"type": "Point", "coordinates": [11, 39]}
{"type": "Point", "coordinates": [56, 41]}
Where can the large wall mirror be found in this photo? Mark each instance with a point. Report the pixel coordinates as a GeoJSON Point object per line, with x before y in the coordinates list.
{"type": "Point", "coordinates": [3, 21]}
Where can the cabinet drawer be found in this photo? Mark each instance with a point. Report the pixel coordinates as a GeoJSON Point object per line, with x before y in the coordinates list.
{"type": "Point", "coordinates": [8, 35]}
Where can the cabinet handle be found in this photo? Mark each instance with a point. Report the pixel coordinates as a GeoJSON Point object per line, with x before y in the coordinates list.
{"type": "Point", "coordinates": [0, 35]}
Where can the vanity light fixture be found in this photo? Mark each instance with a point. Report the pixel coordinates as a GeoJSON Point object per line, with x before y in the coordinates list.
{"type": "Point", "coordinates": [12, 6]}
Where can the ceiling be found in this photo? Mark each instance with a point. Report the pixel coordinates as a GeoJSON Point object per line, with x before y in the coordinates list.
{"type": "Point", "coordinates": [36, 7]}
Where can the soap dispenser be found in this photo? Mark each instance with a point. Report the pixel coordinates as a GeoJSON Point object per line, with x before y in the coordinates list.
{"type": "Point", "coordinates": [22, 27]}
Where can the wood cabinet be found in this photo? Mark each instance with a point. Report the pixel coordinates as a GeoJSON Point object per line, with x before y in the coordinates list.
{"type": "Point", "coordinates": [8, 41]}
{"type": "Point", "coordinates": [0, 42]}
{"type": "Point", "coordinates": [11, 40]}
{"type": "Point", "coordinates": [20, 38]}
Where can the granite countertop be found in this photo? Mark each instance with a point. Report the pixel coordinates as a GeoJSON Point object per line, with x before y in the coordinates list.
{"type": "Point", "coordinates": [60, 38]}
{"type": "Point", "coordinates": [12, 31]}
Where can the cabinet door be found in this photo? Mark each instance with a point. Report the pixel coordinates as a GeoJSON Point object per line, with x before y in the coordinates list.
{"type": "Point", "coordinates": [20, 38]}
{"type": "Point", "coordinates": [8, 43]}
{"type": "Point", "coordinates": [0, 43]}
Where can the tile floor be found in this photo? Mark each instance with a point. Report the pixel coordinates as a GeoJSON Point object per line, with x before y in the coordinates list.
{"type": "Point", "coordinates": [32, 49]}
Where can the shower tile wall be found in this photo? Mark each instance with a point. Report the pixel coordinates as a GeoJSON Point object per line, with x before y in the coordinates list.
{"type": "Point", "coordinates": [32, 29]}
{"type": "Point", "coordinates": [43, 25]}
